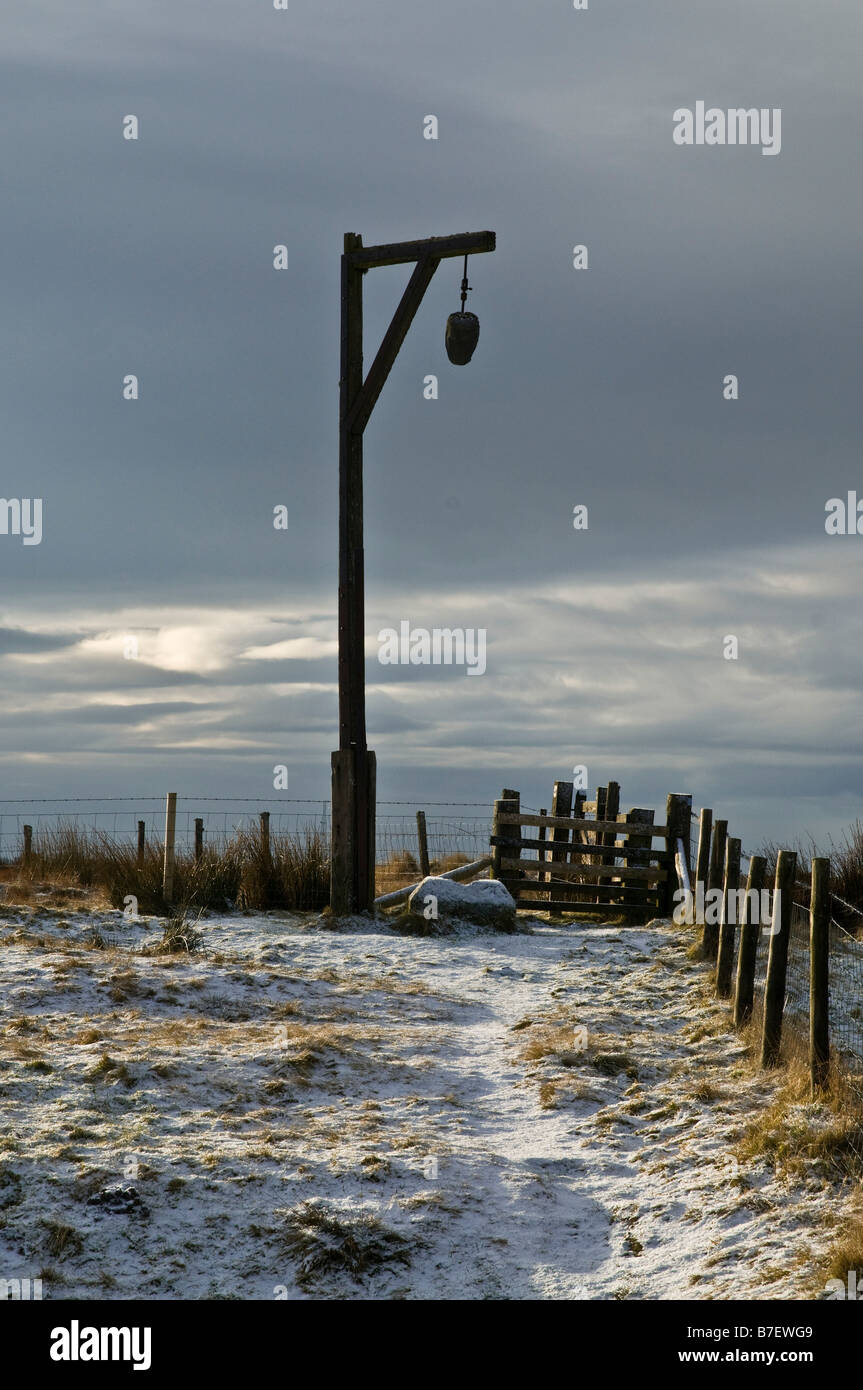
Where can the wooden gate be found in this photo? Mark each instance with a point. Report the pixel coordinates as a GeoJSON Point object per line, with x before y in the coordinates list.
{"type": "Point", "coordinates": [597, 861]}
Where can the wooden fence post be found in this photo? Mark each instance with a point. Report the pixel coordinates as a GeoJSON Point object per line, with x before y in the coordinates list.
{"type": "Point", "coordinates": [168, 861]}
{"type": "Point", "coordinates": [508, 804]}
{"type": "Point", "coordinates": [715, 876]}
{"type": "Point", "coordinates": [199, 838]}
{"type": "Point", "coordinates": [777, 960]}
{"type": "Point", "coordinates": [578, 837]}
{"type": "Point", "coordinates": [579, 813]}
{"type": "Point", "coordinates": [750, 929]}
{"type": "Point", "coordinates": [702, 863]}
{"type": "Point", "coordinates": [725, 955]}
{"type": "Point", "coordinates": [28, 846]}
{"type": "Point", "coordinates": [541, 834]}
{"type": "Point", "coordinates": [265, 835]}
{"type": "Point", "coordinates": [612, 810]}
{"type": "Point", "coordinates": [371, 818]}
{"type": "Point", "coordinates": [636, 852]}
{"type": "Point", "coordinates": [561, 805]}
{"type": "Point", "coordinates": [423, 844]}
{"type": "Point", "coordinates": [678, 818]}
{"type": "Point", "coordinates": [819, 958]}
{"type": "Point", "coordinates": [347, 892]}
{"type": "Point", "coordinates": [599, 838]}
{"type": "Point", "coordinates": [142, 833]}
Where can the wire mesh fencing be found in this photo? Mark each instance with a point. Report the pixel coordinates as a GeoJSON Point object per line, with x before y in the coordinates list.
{"type": "Point", "coordinates": [795, 1018]}
{"type": "Point", "coordinates": [845, 994]}
{"type": "Point", "coordinates": [448, 835]}
{"type": "Point", "coordinates": [75, 836]}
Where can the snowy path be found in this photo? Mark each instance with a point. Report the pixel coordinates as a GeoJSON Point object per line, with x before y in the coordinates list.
{"type": "Point", "coordinates": [441, 1087]}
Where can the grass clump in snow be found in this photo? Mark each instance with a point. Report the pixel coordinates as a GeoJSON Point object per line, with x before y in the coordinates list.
{"type": "Point", "coordinates": [847, 1253]}
{"type": "Point", "coordinates": [11, 1190]}
{"type": "Point", "coordinates": [106, 1069]}
{"type": "Point", "coordinates": [706, 1093]}
{"type": "Point", "coordinates": [324, 1242]}
{"type": "Point", "coordinates": [611, 1063]}
{"type": "Point", "coordinates": [802, 1136]}
{"type": "Point", "coordinates": [180, 936]}
{"type": "Point", "coordinates": [547, 1041]}
{"type": "Point", "coordinates": [62, 1240]}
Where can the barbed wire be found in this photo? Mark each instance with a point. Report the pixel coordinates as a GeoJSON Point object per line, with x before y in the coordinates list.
{"type": "Point", "coordinates": [251, 800]}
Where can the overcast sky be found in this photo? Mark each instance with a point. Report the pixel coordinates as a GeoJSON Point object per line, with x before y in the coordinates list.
{"type": "Point", "coordinates": [602, 387]}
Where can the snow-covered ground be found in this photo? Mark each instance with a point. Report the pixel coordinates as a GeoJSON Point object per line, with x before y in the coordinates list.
{"type": "Point", "coordinates": [544, 1115]}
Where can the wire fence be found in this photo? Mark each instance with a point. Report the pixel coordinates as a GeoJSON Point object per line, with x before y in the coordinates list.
{"type": "Point", "coordinates": [452, 835]}
{"type": "Point", "coordinates": [845, 994]}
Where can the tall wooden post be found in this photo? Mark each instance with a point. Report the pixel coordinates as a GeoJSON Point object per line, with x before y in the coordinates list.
{"type": "Point", "coordinates": [508, 804]}
{"type": "Point", "coordinates": [142, 833]}
{"type": "Point", "coordinates": [612, 809]}
{"type": "Point", "coordinates": [819, 957]}
{"type": "Point", "coordinates": [423, 844]}
{"type": "Point", "coordinates": [702, 862]}
{"type": "Point", "coordinates": [28, 846]}
{"type": "Point", "coordinates": [601, 800]}
{"type": "Point", "coordinates": [750, 929]}
{"type": "Point", "coordinates": [561, 805]}
{"type": "Point", "coordinates": [199, 838]}
{"type": "Point", "coordinates": [168, 861]}
{"type": "Point", "coordinates": [265, 834]}
{"type": "Point", "coordinates": [352, 876]}
{"type": "Point", "coordinates": [678, 819]}
{"type": "Point", "coordinates": [636, 853]}
{"type": "Point", "coordinates": [715, 878]}
{"type": "Point", "coordinates": [541, 834]}
{"type": "Point", "coordinates": [777, 959]}
{"type": "Point", "coordinates": [731, 884]}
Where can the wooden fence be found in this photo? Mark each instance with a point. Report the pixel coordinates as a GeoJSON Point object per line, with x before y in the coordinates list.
{"type": "Point", "coordinates": [731, 925]}
{"type": "Point", "coordinates": [589, 857]}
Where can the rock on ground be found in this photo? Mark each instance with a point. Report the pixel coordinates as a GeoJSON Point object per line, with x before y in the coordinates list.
{"type": "Point", "coordinates": [485, 903]}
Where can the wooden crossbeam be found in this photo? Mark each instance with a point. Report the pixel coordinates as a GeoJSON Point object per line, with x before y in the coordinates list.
{"type": "Point", "coordinates": [441, 247]}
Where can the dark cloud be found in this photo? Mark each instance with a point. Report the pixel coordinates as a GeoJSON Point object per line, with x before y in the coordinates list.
{"type": "Point", "coordinates": [17, 640]}
{"type": "Point", "coordinates": [600, 387]}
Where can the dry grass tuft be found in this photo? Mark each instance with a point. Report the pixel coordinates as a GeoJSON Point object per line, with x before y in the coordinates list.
{"type": "Point", "coordinates": [802, 1136]}
{"type": "Point", "coordinates": [108, 1070]}
{"type": "Point", "coordinates": [324, 1242]}
{"type": "Point", "coordinates": [706, 1092]}
{"type": "Point", "coordinates": [548, 1096]}
{"type": "Point", "coordinates": [62, 1240]}
{"type": "Point", "coordinates": [611, 1063]}
{"type": "Point", "coordinates": [549, 1040]}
